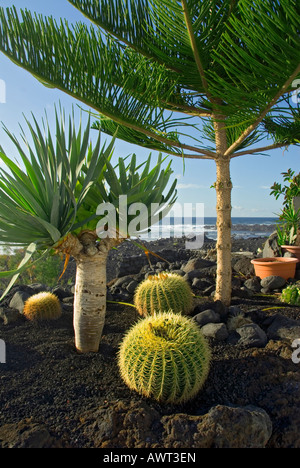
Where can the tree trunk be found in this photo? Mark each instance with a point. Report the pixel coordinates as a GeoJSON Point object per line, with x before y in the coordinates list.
{"type": "Point", "coordinates": [223, 191]}
{"type": "Point", "coordinates": [90, 287]}
{"type": "Point", "coordinates": [89, 301]}
{"type": "Point", "coordinates": [224, 269]}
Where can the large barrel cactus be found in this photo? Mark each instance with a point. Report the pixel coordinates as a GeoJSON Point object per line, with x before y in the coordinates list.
{"type": "Point", "coordinates": [165, 357]}
{"type": "Point", "coordinates": [291, 295]}
{"type": "Point", "coordinates": [163, 292]}
{"type": "Point", "coordinates": [42, 306]}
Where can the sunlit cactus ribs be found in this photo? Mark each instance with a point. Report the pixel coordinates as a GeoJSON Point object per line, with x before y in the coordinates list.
{"type": "Point", "coordinates": [163, 292]}
{"type": "Point", "coordinates": [291, 295]}
{"type": "Point", "coordinates": [42, 306]}
{"type": "Point", "coordinates": [165, 357]}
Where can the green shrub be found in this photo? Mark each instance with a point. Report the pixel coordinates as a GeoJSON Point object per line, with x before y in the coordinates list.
{"type": "Point", "coordinates": [46, 272]}
{"type": "Point", "coordinates": [291, 295]}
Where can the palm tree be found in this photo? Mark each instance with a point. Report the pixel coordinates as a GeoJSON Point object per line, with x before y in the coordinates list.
{"type": "Point", "coordinates": [52, 206]}
{"type": "Point", "coordinates": [197, 79]}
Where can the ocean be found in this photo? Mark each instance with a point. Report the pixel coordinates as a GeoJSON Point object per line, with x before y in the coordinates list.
{"type": "Point", "coordinates": [242, 227]}
{"type": "Point", "coordinates": [172, 227]}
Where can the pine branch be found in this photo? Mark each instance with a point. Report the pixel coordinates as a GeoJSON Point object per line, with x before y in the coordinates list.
{"type": "Point", "coordinates": [272, 103]}
{"type": "Point", "coordinates": [194, 47]}
{"type": "Point", "coordinates": [263, 149]}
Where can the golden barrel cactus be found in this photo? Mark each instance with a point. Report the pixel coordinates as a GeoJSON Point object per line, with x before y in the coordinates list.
{"type": "Point", "coordinates": [165, 357]}
{"type": "Point", "coordinates": [163, 292]}
{"type": "Point", "coordinates": [42, 306]}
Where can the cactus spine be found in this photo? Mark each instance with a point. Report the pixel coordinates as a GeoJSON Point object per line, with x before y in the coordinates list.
{"type": "Point", "coordinates": [291, 295]}
{"type": "Point", "coordinates": [165, 357]}
{"type": "Point", "coordinates": [163, 292]}
{"type": "Point", "coordinates": [42, 306]}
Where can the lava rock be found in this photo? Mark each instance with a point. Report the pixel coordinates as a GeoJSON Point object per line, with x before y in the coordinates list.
{"type": "Point", "coordinates": [207, 316]}
{"type": "Point", "coordinates": [272, 282]}
{"type": "Point", "coordinates": [284, 328]}
{"type": "Point", "coordinates": [217, 331]}
{"type": "Point", "coordinates": [121, 425]}
{"type": "Point", "coordinates": [178, 272]}
{"type": "Point", "coordinates": [251, 335]}
{"type": "Point", "coordinates": [253, 284]}
{"type": "Point", "coordinates": [220, 308]}
{"type": "Point", "coordinates": [197, 264]}
{"type": "Point", "coordinates": [243, 265]}
{"type": "Point", "coordinates": [210, 291]}
{"type": "Point", "coordinates": [192, 274]}
{"type": "Point", "coordinates": [199, 283]}
{"type": "Point", "coordinates": [39, 287]}
{"type": "Point", "coordinates": [131, 287]}
{"type": "Point", "coordinates": [222, 427]}
{"type": "Point", "coordinates": [121, 281]}
{"type": "Point", "coordinates": [9, 315]}
{"type": "Point", "coordinates": [271, 247]}
{"type": "Point", "coordinates": [27, 434]}
{"type": "Point", "coordinates": [61, 292]}
{"type": "Point", "coordinates": [234, 310]}
{"type": "Point", "coordinates": [18, 300]}
{"type": "Point", "coordinates": [241, 292]}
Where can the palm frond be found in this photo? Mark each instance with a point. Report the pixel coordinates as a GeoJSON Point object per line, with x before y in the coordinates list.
{"type": "Point", "coordinates": [129, 187]}
{"type": "Point", "coordinates": [39, 203]}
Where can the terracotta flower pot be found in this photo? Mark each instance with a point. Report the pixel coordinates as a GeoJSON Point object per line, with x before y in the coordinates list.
{"type": "Point", "coordinates": [278, 266]}
{"type": "Point", "coordinates": [294, 249]}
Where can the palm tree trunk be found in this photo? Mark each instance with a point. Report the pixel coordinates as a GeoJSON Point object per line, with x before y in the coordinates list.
{"type": "Point", "coordinates": [224, 270]}
{"type": "Point", "coordinates": [90, 287]}
{"type": "Point", "coordinates": [89, 301]}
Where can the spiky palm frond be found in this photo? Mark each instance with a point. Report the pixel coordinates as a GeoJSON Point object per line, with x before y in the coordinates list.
{"type": "Point", "coordinates": [62, 183]}
{"type": "Point", "coordinates": [133, 190]}
{"type": "Point", "coordinates": [39, 202]}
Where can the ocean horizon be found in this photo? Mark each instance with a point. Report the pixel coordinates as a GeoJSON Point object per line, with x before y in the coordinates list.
{"type": "Point", "coordinates": [242, 227]}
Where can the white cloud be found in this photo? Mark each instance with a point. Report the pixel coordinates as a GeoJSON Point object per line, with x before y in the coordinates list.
{"type": "Point", "coordinates": [190, 186]}
{"type": "Point", "coordinates": [255, 210]}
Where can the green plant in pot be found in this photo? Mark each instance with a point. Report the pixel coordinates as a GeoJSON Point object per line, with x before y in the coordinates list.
{"type": "Point", "coordinates": [288, 225]}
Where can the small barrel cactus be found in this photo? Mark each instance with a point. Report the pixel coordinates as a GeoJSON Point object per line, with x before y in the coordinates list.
{"type": "Point", "coordinates": [291, 295]}
{"type": "Point", "coordinates": [165, 357]}
{"type": "Point", "coordinates": [42, 306]}
{"type": "Point", "coordinates": [163, 292]}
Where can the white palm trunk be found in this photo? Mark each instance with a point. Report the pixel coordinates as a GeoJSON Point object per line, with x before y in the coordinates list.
{"type": "Point", "coordinates": [90, 301]}
{"type": "Point", "coordinates": [90, 288]}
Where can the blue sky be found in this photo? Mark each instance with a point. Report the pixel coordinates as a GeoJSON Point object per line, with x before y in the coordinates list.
{"type": "Point", "coordinates": [251, 175]}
